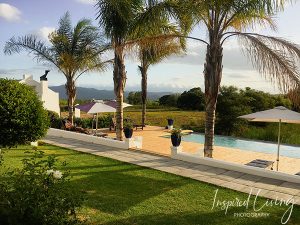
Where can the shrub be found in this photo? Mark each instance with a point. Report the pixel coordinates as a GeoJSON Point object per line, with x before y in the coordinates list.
{"type": "Point", "coordinates": [22, 116]}
{"type": "Point", "coordinates": [84, 123]}
{"type": "Point", "coordinates": [55, 121]}
{"type": "Point", "coordinates": [38, 194]}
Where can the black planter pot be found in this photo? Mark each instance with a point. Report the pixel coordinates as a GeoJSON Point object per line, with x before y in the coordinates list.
{"type": "Point", "coordinates": [170, 122]}
{"type": "Point", "coordinates": [128, 132]}
{"type": "Point", "coordinates": [176, 140]}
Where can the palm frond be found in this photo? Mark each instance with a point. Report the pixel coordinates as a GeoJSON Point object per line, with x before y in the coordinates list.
{"type": "Point", "coordinates": [31, 44]}
{"type": "Point", "coordinates": [241, 15]}
{"type": "Point", "coordinates": [115, 17]}
{"type": "Point", "coordinates": [274, 58]}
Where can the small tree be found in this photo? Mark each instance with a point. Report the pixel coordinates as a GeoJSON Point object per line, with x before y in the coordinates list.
{"type": "Point", "coordinates": [22, 116]}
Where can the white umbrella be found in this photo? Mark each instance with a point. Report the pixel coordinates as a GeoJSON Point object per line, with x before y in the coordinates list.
{"type": "Point", "coordinates": [113, 103]}
{"type": "Point", "coordinates": [279, 115]}
{"type": "Point", "coordinates": [96, 107]}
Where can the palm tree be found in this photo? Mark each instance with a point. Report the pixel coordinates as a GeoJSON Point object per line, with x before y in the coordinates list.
{"type": "Point", "coordinates": [129, 24]}
{"type": "Point", "coordinates": [150, 54]}
{"type": "Point", "coordinates": [117, 18]}
{"type": "Point", "coordinates": [275, 58]}
{"type": "Point", "coordinates": [153, 51]}
{"type": "Point", "coordinates": [73, 50]}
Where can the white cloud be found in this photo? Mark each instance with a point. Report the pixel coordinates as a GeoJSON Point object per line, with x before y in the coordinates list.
{"type": "Point", "coordinates": [44, 32]}
{"type": "Point", "coordinates": [90, 2]}
{"type": "Point", "coordinates": [9, 12]}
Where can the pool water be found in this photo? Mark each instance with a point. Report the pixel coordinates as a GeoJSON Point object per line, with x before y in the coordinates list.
{"type": "Point", "coordinates": [256, 146]}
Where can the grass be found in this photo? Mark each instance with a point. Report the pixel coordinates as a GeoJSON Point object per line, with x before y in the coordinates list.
{"type": "Point", "coordinates": [159, 118]}
{"type": "Point", "coordinates": [125, 194]}
{"type": "Point", "coordinates": [290, 133]}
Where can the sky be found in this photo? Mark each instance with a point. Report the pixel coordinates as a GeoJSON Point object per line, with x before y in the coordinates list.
{"type": "Point", "coordinates": [175, 74]}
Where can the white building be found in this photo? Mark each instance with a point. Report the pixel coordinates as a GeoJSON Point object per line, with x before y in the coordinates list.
{"type": "Point", "coordinates": [46, 95]}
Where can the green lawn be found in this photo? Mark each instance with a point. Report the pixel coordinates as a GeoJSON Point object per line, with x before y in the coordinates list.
{"type": "Point", "coordinates": [121, 193]}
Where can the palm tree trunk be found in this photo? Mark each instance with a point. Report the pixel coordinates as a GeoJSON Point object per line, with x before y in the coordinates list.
{"type": "Point", "coordinates": [71, 93]}
{"type": "Point", "coordinates": [119, 85]}
{"type": "Point", "coordinates": [143, 70]}
{"type": "Point", "coordinates": [212, 77]}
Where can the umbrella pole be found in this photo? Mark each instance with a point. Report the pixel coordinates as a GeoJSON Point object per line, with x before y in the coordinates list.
{"type": "Point", "coordinates": [279, 130]}
{"type": "Point", "coordinates": [97, 123]}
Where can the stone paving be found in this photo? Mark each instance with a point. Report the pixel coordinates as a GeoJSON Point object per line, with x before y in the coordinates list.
{"type": "Point", "coordinates": [269, 188]}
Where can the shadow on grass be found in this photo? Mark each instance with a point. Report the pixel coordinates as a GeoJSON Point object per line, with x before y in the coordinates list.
{"type": "Point", "coordinates": [116, 191]}
{"type": "Point", "coordinates": [201, 218]}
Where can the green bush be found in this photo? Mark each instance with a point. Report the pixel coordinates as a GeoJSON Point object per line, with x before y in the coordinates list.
{"type": "Point", "coordinates": [84, 123]}
{"type": "Point", "coordinates": [22, 116]}
{"type": "Point", "coordinates": [103, 122]}
{"type": "Point", "coordinates": [55, 120]}
{"type": "Point", "coordinates": [38, 194]}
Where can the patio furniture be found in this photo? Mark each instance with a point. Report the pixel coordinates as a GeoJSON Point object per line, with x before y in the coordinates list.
{"type": "Point", "coordinates": [278, 115]}
{"type": "Point", "coordinates": [100, 134]}
{"type": "Point", "coordinates": [68, 126]}
{"type": "Point", "coordinates": [138, 126]}
{"type": "Point", "coordinates": [260, 163]}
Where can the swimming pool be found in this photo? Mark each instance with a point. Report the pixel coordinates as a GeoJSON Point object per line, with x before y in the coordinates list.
{"type": "Point", "coordinates": [256, 146]}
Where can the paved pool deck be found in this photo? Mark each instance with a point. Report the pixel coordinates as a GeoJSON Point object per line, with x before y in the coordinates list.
{"type": "Point", "coordinates": [265, 187]}
{"type": "Point", "coordinates": [155, 142]}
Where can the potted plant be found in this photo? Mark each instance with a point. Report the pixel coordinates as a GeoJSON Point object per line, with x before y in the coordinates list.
{"type": "Point", "coordinates": [128, 129]}
{"type": "Point", "coordinates": [170, 122]}
{"type": "Point", "coordinates": [176, 137]}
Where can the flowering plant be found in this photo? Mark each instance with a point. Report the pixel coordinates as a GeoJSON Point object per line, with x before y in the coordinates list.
{"type": "Point", "coordinates": [38, 193]}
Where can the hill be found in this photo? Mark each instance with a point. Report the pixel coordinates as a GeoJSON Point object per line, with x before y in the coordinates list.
{"type": "Point", "coordinates": [90, 93]}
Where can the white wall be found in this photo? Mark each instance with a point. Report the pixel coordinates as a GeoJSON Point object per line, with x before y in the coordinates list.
{"type": "Point", "coordinates": [127, 144]}
{"type": "Point", "coordinates": [195, 158]}
{"type": "Point", "coordinates": [49, 98]}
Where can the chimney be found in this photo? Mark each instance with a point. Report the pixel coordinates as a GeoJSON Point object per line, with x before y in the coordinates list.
{"type": "Point", "coordinates": [44, 84]}
{"type": "Point", "coordinates": [44, 77]}
{"type": "Point", "coordinates": [27, 76]}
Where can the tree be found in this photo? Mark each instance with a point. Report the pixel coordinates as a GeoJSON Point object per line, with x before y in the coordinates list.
{"type": "Point", "coordinates": [134, 98]}
{"type": "Point", "coordinates": [232, 103]}
{"type": "Point", "coordinates": [155, 51]}
{"type": "Point", "coordinates": [258, 100]}
{"type": "Point", "coordinates": [22, 116]}
{"type": "Point", "coordinates": [73, 50]}
{"type": "Point", "coordinates": [169, 100]}
{"type": "Point", "coordinates": [116, 18]}
{"type": "Point", "coordinates": [191, 100]}
{"type": "Point", "coordinates": [275, 58]}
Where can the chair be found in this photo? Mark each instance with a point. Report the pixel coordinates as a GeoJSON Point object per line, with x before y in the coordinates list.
{"type": "Point", "coordinates": [260, 163]}
{"type": "Point", "coordinates": [68, 126]}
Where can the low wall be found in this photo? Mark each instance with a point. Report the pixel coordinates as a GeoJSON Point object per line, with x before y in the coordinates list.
{"type": "Point", "coordinates": [194, 158]}
{"type": "Point", "coordinates": [128, 143]}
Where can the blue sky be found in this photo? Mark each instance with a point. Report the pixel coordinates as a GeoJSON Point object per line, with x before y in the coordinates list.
{"type": "Point", "coordinates": [39, 17]}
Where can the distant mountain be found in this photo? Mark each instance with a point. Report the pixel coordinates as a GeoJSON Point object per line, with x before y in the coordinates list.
{"type": "Point", "coordinates": [90, 93]}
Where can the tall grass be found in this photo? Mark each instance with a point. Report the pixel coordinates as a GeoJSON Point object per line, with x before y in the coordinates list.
{"type": "Point", "coordinates": [290, 133]}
